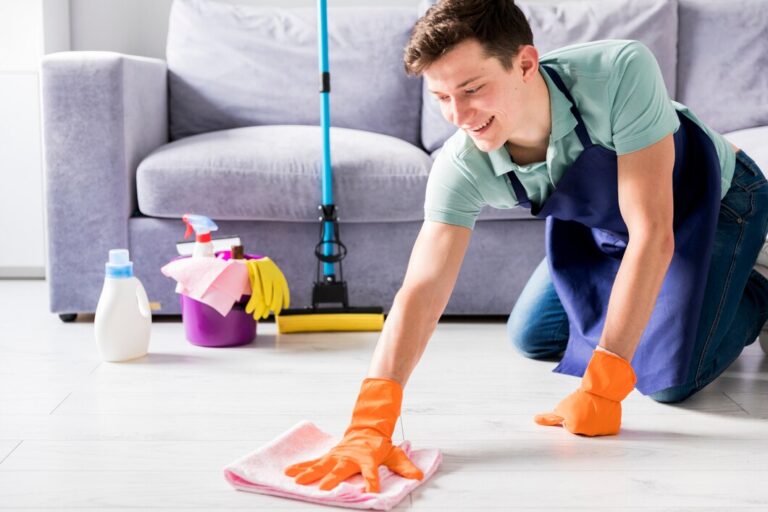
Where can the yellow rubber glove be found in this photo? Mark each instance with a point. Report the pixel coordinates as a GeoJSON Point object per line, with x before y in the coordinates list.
{"type": "Point", "coordinates": [270, 288]}
{"type": "Point", "coordinates": [267, 286]}
{"type": "Point", "coordinates": [281, 297]}
{"type": "Point", "coordinates": [367, 442]}
{"type": "Point", "coordinates": [256, 304]}
{"type": "Point", "coordinates": [595, 408]}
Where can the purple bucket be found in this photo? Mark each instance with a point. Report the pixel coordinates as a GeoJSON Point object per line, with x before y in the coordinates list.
{"type": "Point", "coordinates": [204, 326]}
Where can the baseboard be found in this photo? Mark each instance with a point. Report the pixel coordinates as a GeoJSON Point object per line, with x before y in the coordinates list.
{"type": "Point", "coordinates": [22, 272]}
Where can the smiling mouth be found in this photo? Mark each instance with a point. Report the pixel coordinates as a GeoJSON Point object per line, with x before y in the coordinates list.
{"type": "Point", "coordinates": [482, 127]}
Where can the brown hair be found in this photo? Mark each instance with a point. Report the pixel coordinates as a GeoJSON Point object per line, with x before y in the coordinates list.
{"type": "Point", "coordinates": [498, 25]}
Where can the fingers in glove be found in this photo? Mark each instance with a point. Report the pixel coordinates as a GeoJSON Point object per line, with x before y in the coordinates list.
{"type": "Point", "coordinates": [256, 302]}
{"type": "Point", "coordinates": [371, 475]}
{"type": "Point", "coordinates": [399, 463]}
{"type": "Point", "coordinates": [295, 469]}
{"type": "Point", "coordinates": [282, 284]}
{"type": "Point", "coordinates": [264, 310]}
{"type": "Point", "coordinates": [267, 283]}
{"type": "Point", "coordinates": [277, 302]}
{"type": "Point", "coordinates": [267, 290]}
{"type": "Point", "coordinates": [286, 291]}
{"type": "Point", "coordinates": [549, 419]}
{"type": "Point", "coordinates": [262, 307]}
{"type": "Point", "coordinates": [316, 471]}
{"type": "Point", "coordinates": [344, 469]}
{"type": "Point", "coordinates": [251, 302]}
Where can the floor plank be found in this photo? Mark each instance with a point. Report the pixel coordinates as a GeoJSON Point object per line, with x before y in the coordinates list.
{"type": "Point", "coordinates": [77, 433]}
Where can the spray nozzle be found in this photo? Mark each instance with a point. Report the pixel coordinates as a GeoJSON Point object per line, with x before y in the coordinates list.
{"type": "Point", "coordinates": [200, 224]}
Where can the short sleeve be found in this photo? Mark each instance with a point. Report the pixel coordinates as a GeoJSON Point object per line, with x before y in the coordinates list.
{"type": "Point", "coordinates": [452, 195]}
{"type": "Point", "coordinates": [641, 111]}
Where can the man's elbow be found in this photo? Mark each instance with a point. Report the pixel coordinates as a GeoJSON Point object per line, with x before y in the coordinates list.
{"type": "Point", "coordinates": [658, 237]}
{"type": "Point", "coordinates": [667, 244]}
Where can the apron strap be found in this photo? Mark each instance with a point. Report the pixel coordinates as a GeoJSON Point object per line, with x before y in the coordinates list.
{"type": "Point", "coordinates": [517, 186]}
{"type": "Point", "coordinates": [581, 131]}
{"type": "Point", "coordinates": [581, 128]}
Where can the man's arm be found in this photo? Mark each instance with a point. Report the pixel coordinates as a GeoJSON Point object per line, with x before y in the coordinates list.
{"type": "Point", "coordinates": [429, 280]}
{"type": "Point", "coordinates": [645, 201]}
{"type": "Point", "coordinates": [367, 444]}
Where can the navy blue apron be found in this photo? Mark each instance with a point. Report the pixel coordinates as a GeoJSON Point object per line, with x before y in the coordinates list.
{"type": "Point", "coordinates": [586, 238]}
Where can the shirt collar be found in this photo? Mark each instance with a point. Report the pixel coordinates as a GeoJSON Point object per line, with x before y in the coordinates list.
{"type": "Point", "coordinates": [563, 122]}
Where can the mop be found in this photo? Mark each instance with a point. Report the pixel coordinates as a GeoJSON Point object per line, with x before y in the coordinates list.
{"type": "Point", "coordinates": [328, 288]}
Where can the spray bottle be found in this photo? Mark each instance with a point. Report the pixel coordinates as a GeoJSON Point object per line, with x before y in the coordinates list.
{"type": "Point", "coordinates": [123, 317]}
{"type": "Point", "coordinates": [202, 226]}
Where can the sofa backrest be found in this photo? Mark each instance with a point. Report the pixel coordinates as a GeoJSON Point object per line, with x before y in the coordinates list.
{"type": "Point", "coordinates": [723, 62]}
{"type": "Point", "coordinates": [242, 65]}
{"type": "Point", "coordinates": [563, 22]}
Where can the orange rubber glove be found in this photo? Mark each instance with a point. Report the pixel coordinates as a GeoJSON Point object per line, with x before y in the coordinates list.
{"type": "Point", "coordinates": [367, 442]}
{"type": "Point", "coordinates": [595, 408]}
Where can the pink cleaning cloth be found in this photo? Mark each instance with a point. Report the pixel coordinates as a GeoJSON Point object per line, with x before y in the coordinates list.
{"type": "Point", "coordinates": [263, 472]}
{"type": "Point", "coordinates": [212, 281]}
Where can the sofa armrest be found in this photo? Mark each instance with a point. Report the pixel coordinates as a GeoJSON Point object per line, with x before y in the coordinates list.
{"type": "Point", "coordinates": [102, 113]}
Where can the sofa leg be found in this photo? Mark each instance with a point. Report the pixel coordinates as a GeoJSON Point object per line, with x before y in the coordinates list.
{"type": "Point", "coordinates": [68, 317]}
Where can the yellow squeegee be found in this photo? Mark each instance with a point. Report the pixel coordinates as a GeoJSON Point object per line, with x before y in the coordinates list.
{"type": "Point", "coordinates": [330, 251]}
{"type": "Point", "coordinates": [328, 290]}
{"type": "Point", "coordinates": [330, 319]}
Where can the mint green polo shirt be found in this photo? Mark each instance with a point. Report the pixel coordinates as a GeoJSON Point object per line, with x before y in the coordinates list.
{"type": "Point", "coordinates": [621, 96]}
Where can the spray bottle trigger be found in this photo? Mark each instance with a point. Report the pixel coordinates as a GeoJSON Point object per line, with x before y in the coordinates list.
{"type": "Point", "coordinates": [189, 229]}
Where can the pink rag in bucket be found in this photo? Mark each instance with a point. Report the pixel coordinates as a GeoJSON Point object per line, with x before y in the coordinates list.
{"type": "Point", "coordinates": [212, 281]}
{"type": "Point", "coordinates": [263, 472]}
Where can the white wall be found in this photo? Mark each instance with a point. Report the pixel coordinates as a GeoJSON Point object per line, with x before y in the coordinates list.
{"type": "Point", "coordinates": [136, 27]}
{"type": "Point", "coordinates": [140, 27]}
{"type": "Point", "coordinates": [28, 30]}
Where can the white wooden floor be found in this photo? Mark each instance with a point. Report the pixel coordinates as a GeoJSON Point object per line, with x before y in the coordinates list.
{"type": "Point", "coordinates": [154, 434]}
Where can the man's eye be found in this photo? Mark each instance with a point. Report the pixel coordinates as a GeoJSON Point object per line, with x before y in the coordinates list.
{"type": "Point", "coordinates": [442, 98]}
{"type": "Point", "coordinates": [473, 91]}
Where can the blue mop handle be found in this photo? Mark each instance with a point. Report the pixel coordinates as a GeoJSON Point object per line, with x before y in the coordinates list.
{"type": "Point", "coordinates": [325, 123]}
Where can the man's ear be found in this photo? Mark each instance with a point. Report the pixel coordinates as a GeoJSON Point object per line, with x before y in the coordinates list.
{"type": "Point", "coordinates": [527, 60]}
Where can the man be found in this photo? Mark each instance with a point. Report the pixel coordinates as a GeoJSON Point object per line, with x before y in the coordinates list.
{"type": "Point", "coordinates": [654, 223]}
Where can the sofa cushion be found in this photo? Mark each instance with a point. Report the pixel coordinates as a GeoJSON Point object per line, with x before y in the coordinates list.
{"type": "Point", "coordinates": [561, 23]}
{"type": "Point", "coordinates": [240, 65]}
{"type": "Point", "coordinates": [723, 62]}
{"type": "Point", "coordinates": [754, 142]}
{"type": "Point", "coordinates": [273, 173]}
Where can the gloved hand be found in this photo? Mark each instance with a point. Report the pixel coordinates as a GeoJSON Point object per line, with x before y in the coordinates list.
{"type": "Point", "coordinates": [367, 442]}
{"type": "Point", "coordinates": [595, 408]}
{"type": "Point", "coordinates": [269, 289]}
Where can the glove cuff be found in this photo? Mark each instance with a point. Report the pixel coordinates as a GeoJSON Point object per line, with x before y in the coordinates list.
{"type": "Point", "coordinates": [608, 376]}
{"type": "Point", "coordinates": [378, 406]}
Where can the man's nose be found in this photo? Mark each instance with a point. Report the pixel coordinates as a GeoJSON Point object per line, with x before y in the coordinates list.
{"type": "Point", "coordinates": [458, 113]}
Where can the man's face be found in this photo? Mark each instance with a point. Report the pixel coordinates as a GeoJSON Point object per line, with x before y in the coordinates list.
{"type": "Point", "coordinates": [477, 94]}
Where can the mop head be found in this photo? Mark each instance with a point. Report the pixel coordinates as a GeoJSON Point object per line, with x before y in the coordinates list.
{"type": "Point", "coordinates": [329, 320]}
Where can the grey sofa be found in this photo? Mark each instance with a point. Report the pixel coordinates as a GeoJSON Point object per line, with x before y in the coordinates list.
{"type": "Point", "coordinates": [227, 126]}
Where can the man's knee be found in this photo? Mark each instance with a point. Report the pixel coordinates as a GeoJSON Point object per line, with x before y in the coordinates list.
{"type": "Point", "coordinates": [673, 395]}
{"type": "Point", "coordinates": [529, 342]}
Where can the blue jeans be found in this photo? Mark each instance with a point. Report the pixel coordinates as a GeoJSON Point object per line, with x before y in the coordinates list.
{"type": "Point", "coordinates": [735, 300]}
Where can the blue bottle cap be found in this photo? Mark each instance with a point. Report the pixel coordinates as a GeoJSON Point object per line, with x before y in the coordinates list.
{"type": "Point", "coordinates": [119, 264]}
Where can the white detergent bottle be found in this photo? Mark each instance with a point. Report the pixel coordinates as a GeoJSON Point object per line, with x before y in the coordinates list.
{"type": "Point", "coordinates": [123, 317]}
